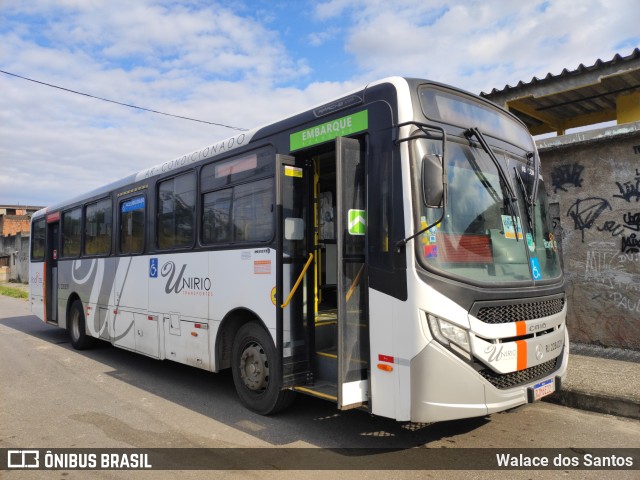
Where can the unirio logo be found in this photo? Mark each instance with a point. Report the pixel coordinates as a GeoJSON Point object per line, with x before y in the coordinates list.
{"type": "Point", "coordinates": [198, 286]}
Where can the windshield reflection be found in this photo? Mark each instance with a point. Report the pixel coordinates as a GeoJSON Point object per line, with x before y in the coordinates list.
{"type": "Point", "coordinates": [480, 237]}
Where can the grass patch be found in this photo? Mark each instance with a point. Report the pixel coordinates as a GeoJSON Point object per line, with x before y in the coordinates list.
{"type": "Point", "coordinates": [14, 292]}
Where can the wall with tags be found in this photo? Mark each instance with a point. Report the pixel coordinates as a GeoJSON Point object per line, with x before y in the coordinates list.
{"type": "Point", "coordinates": [593, 183]}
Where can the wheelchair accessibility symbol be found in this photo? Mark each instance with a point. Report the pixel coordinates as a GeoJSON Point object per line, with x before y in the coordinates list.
{"type": "Point", "coordinates": [535, 269]}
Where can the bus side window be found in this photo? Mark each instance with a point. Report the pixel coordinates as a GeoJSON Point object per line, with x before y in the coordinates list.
{"type": "Point", "coordinates": [132, 225]}
{"type": "Point", "coordinates": [71, 232]}
{"type": "Point", "coordinates": [176, 211]}
{"type": "Point", "coordinates": [216, 213]}
{"type": "Point", "coordinates": [243, 213]}
{"type": "Point", "coordinates": [38, 244]}
{"type": "Point", "coordinates": [252, 213]}
{"type": "Point", "coordinates": [97, 228]}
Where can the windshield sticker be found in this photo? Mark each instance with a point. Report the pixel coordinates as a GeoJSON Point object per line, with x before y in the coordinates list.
{"type": "Point", "coordinates": [551, 244]}
{"type": "Point", "coordinates": [535, 269]}
{"type": "Point", "coordinates": [530, 243]}
{"type": "Point", "coordinates": [428, 237]}
{"type": "Point", "coordinates": [430, 251]}
{"type": "Point", "coordinates": [509, 230]}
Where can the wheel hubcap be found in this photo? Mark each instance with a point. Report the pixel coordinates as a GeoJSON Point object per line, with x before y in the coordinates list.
{"type": "Point", "coordinates": [254, 367]}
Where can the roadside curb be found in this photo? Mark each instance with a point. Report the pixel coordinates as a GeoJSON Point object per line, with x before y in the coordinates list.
{"type": "Point", "coordinates": [610, 405]}
{"type": "Point", "coordinates": [602, 380]}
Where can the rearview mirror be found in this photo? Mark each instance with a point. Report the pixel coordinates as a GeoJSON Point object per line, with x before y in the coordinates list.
{"type": "Point", "coordinates": [432, 180]}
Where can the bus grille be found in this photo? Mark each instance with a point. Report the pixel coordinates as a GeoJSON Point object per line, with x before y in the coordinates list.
{"type": "Point", "coordinates": [520, 311]}
{"type": "Point", "coordinates": [513, 379]}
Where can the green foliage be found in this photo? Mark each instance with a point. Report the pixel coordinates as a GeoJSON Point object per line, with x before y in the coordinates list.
{"type": "Point", "coordinates": [14, 292]}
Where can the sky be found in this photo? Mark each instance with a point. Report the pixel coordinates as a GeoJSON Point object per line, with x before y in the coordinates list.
{"type": "Point", "coordinates": [245, 63]}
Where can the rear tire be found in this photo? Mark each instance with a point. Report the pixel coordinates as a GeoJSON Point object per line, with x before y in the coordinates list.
{"type": "Point", "coordinates": [77, 328]}
{"type": "Point", "coordinates": [254, 367]}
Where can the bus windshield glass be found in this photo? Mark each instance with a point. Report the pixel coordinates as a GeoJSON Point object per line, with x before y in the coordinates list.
{"type": "Point", "coordinates": [454, 109]}
{"type": "Point", "coordinates": [484, 237]}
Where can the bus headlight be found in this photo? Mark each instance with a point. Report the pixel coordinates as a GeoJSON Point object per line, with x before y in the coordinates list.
{"type": "Point", "coordinates": [447, 333]}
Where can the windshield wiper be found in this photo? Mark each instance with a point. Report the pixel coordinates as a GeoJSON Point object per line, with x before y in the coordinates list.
{"type": "Point", "coordinates": [485, 146]}
{"type": "Point", "coordinates": [511, 195]}
{"type": "Point", "coordinates": [528, 200]}
{"type": "Point", "coordinates": [536, 174]}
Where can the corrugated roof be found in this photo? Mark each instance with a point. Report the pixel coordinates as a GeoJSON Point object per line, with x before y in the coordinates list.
{"type": "Point", "coordinates": [572, 98]}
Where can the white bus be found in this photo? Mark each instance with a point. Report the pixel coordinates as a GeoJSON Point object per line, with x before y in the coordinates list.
{"type": "Point", "coordinates": [390, 250]}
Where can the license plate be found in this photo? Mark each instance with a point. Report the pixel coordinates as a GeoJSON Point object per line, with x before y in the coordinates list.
{"type": "Point", "coordinates": [543, 389]}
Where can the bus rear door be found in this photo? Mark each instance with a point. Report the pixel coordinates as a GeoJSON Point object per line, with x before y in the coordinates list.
{"type": "Point", "coordinates": [51, 267]}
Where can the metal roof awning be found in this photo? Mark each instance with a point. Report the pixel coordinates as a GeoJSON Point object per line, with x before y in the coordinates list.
{"type": "Point", "coordinates": [584, 96]}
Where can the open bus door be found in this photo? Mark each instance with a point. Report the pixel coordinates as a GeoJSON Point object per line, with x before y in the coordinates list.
{"type": "Point", "coordinates": [352, 285]}
{"type": "Point", "coordinates": [294, 277]}
{"type": "Point", "coordinates": [330, 319]}
{"type": "Point", "coordinates": [51, 268]}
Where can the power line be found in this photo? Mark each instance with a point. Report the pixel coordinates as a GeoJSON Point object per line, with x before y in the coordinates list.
{"type": "Point", "coordinates": [120, 103]}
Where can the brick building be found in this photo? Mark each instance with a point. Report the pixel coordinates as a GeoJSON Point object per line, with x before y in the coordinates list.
{"type": "Point", "coordinates": [15, 219]}
{"type": "Point", "coordinates": [15, 227]}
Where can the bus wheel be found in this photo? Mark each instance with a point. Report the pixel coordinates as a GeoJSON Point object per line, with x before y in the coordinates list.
{"type": "Point", "coordinates": [254, 368]}
{"type": "Point", "coordinates": [76, 325]}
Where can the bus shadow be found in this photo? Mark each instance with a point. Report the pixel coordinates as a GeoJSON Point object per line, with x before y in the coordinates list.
{"type": "Point", "coordinates": [309, 420]}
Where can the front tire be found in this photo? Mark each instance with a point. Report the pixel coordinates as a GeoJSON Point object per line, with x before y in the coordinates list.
{"type": "Point", "coordinates": [254, 367]}
{"type": "Point", "coordinates": [77, 329]}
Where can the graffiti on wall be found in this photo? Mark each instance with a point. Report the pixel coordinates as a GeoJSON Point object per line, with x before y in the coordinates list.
{"type": "Point", "coordinates": [609, 269]}
{"type": "Point", "coordinates": [629, 190]}
{"type": "Point", "coordinates": [606, 273]}
{"type": "Point", "coordinates": [566, 175]}
{"type": "Point", "coordinates": [584, 212]}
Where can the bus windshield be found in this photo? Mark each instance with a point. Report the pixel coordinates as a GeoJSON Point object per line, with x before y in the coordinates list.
{"type": "Point", "coordinates": [484, 236]}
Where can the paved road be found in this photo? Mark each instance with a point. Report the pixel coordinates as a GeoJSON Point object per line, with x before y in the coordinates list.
{"type": "Point", "coordinates": [52, 396]}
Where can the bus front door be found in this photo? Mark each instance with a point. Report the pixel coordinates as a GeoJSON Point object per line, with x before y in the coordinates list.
{"type": "Point", "coordinates": [352, 285]}
{"type": "Point", "coordinates": [294, 275]}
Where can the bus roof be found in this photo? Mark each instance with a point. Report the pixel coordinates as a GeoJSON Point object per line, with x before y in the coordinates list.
{"type": "Point", "coordinates": [244, 138]}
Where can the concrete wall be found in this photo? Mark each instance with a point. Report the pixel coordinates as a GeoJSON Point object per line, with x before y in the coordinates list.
{"type": "Point", "coordinates": [593, 182]}
{"type": "Point", "coordinates": [17, 249]}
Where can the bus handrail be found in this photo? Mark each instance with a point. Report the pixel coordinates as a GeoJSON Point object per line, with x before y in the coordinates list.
{"type": "Point", "coordinates": [355, 283]}
{"type": "Point", "coordinates": [297, 284]}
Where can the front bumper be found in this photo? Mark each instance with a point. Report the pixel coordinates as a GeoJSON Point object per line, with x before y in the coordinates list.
{"type": "Point", "coordinates": [446, 387]}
